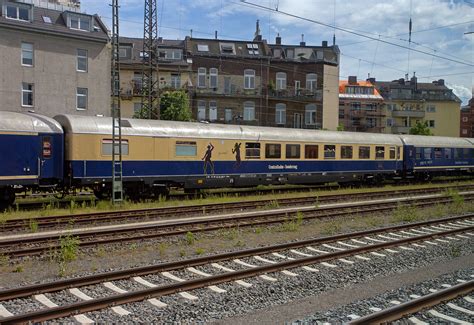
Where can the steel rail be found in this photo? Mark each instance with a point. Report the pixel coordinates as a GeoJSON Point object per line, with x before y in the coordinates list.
{"type": "Point", "coordinates": [168, 266]}
{"type": "Point", "coordinates": [134, 296]}
{"type": "Point", "coordinates": [205, 208]}
{"type": "Point", "coordinates": [416, 305]}
{"type": "Point", "coordinates": [126, 234]}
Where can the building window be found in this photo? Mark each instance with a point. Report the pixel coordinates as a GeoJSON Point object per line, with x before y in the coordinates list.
{"type": "Point", "coordinates": [371, 122]}
{"type": "Point", "coordinates": [346, 152]}
{"type": "Point", "coordinates": [465, 119]}
{"type": "Point", "coordinates": [364, 152]}
{"type": "Point", "coordinates": [355, 106]}
{"type": "Point", "coordinates": [290, 53]}
{"type": "Point", "coordinates": [280, 80]}
{"type": "Point", "coordinates": [329, 152]}
{"type": "Point", "coordinates": [81, 23]}
{"type": "Point", "coordinates": [17, 12]}
{"type": "Point", "coordinates": [310, 114]}
{"type": "Point", "coordinates": [464, 131]}
{"type": "Point", "coordinates": [176, 80]}
{"type": "Point", "coordinates": [311, 81]}
{"type": "Point", "coordinates": [27, 54]}
{"type": "Point", "coordinates": [27, 94]}
{"type": "Point", "coordinates": [81, 60]}
{"type": "Point", "coordinates": [431, 108]}
{"type": "Point", "coordinates": [379, 152]}
{"type": "Point", "coordinates": [431, 123]}
{"type": "Point", "coordinates": [341, 113]}
{"type": "Point", "coordinates": [81, 97]}
{"type": "Point", "coordinates": [272, 150]}
{"type": "Point", "coordinates": [293, 151]}
{"type": "Point", "coordinates": [252, 150]}
{"type": "Point", "coordinates": [137, 107]}
{"type": "Point", "coordinates": [203, 48]}
{"type": "Point", "coordinates": [201, 110]}
{"type": "Point", "coordinates": [280, 114]}
{"type": "Point", "coordinates": [390, 122]}
{"type": "Point", "coordinates": [249, 111]}
{"type": "Point", "coordinates": [391, 107]}
{"type": "Point", "coordinates": [201, 78]}
{"type": "Point", "coordinates": [213, 73]}
{"type": "Point", "coordinates": [249, 79]}
{"type": "Point", "coordinates": [212, 110]}
{"type": "Point", "coordinates": [228, 115]}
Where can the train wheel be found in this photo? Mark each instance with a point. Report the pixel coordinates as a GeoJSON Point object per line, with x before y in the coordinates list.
{"type": "Point", "coordinates": [7, 198]}
{"type": "Point", "coordinates": [101, 194]}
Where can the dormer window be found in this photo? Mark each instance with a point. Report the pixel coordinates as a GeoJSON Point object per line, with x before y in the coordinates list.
{"type": "Point", "coordinates": [17, 11]}
{"type": "Point", "coordinates": [79, 22]}
{"type": "Point", "coordinates": [227, 48]}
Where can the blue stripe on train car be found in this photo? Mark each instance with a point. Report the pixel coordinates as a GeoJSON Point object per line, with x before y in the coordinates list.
{"type": "Point", "coordinates": [100, 169]}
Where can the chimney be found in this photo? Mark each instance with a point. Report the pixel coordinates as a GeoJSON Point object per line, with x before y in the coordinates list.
{"type": "Point", "coordinates": [401, 81]}
{"type": "Point", "coordinates": [414, 81]}
{"type": "Point", "coordinates": [278, 39]}
{"type": "Point", "coordinates": [215, 34]}
{"type": "Point", "coordinates": [325, 43]}
{"type": "Point", "coordinates": [302, 43]}
{"type": "Point", "coordinates": [160, 40]}
{"type": "Point", "coordinates": [441, 82]}
{"type": "Point", "coordinates": [352, 80]}
{"type": "Point", "coordinates": [371, 80]}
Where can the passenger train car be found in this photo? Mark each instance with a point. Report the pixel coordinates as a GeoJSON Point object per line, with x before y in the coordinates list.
{"type": "Point", "coordinates": [31, 153]}
{"type": "Point", "coordinates": [159, 154]}
{"type": "Point", "coordinates": [75, 151]}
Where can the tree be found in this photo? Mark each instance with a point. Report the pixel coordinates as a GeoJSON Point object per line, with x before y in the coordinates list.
{"type": "Point", "coordinates": [340, 127]}
{"type": "Point", "coordinates": [421, 129]}
{"type": "Point", "coordinates": [175, 106]}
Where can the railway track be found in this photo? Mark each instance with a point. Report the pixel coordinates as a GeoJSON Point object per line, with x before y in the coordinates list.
{"type": "Point", "coordinates": [419, 303]}
{"type": "Point", "coordinates": [38, 243]}
{"type": "Point", "coordinates": [268, 263]}
{"type": "Point", "coordinates": [202, 209]}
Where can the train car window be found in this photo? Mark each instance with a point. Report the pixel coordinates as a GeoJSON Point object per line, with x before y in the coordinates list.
{"type": "Point", "coordinates": [379, 152]}
{"type": "Point", "coordinates": [272, 150]}
{"type": "Point", "coordinates": [293, 151]}
{"type": "Point", "coordinates": [438, 153]}
{"type": "Point", "coordinates": [399, 152]}
{"type": "Point", "coordinates": [252, 150]}
{"type": "Point", "coordinates": [329, 151]}
{"type": "Point", "coordinates": [427, 153]}
{"type": "Point", "coordinates": [457, 153]}
{"type": "Point", "coordinates": [186, 148]}
{"type": "Point", "coordinates": [311, 151]}
{"type": "Point", "coordinates": [346, 152]}
{"type": "Point", "coordinates": [364, 152]}
{"type": "Point", "coordinates": [466, 153]}
{"type": "Point", "coordinates": [392, 153]}
{"type": "Point", "coordinates": [107, 147]}
{"type": "Point", "coordinates": [448, 153]}
{"type": "Point", "coordinates": [418, 153]}
{"type": "Point", "coordinates": [47, 148]}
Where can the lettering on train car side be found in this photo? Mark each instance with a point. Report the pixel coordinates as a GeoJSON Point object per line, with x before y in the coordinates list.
{"type": "Point", "coordinates": [295, 167]}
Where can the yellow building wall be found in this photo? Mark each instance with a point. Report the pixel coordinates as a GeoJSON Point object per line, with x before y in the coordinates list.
{"type": "Point", "coordinates": [330, 97]}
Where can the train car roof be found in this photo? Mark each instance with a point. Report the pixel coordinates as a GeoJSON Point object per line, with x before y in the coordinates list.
{"type": "Point", "coordinates": [28, 122]}
{"type": "Point", "coordinates": [471, 140]}
{"type": "Point", "coordinates": [154, 128]}
{"type": "Point", "coordinates": [434, 141]}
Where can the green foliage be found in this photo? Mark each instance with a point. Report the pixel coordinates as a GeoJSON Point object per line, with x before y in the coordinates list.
{"type": "Point", "coordinates": [271, 205]}
{"type": "Point", "coordinates": [4, 260]}
{"type": "Point", "coordinates": [331, 228]}
{"type": "Point", "coordinates": [199, 251]}
{"type": "Point", "coordinates": [421, 129]}
{"type": "Point", "coordinates": [458, 201]}
{"type": "Point", "coordinates": [455, 251]}
{"type": "Point", "coordinates": [292, 225]}
{"type": "Point", "coordinates": [69, 246]}
{"type": "Point", "coordinates": [182, 253]}
{"type": "Point", "coordinates": [175, 106]}
{"type": "Point", "coordinates": [33, 225]}
{"type": "Point", "coordinates": [19, 268]}
{"type": "Point", "coordinates": [190, 238]}
{"type": "Point", "coordinates": [340, 127]}
{"type": "Point", "coordinates": [405, 213]}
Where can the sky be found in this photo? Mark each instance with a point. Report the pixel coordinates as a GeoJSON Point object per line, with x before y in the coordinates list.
{"type": "Point", "coordinates": [372, 35]}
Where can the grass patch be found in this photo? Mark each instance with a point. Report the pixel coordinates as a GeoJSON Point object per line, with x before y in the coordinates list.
{"type": "Point", "coordinates": [190, 239]}
{"type": "Point", "coordinates": [331, 228]}
{"type": "Point", "coordinates": [406, 213]}
{"type": "Point", "coordinates": [292, 225]}
{"type": "Point", "coordinates": [33, 225]}
{"type": "Point", "coordinates": [67, 253]}
{"type": "Point", "coordinates": [199, 251]}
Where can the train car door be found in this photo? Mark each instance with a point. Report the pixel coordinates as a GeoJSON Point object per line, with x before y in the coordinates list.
{"type": "Point", "coordinates": [409, 158]}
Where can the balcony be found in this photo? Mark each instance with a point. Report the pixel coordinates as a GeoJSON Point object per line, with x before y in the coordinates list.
{"type": "Point", "coordinates": [400, 129]}
{"type": "Point", "coordinates": [299, 94]}
{"type": "Point", "coordinates": [126, 94]}
{"type": "Point", "coordinates": [408, 113]}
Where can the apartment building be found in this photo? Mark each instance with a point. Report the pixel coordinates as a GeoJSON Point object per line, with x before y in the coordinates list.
{"type": "Point", "coordinates": [53, 61]}
{"type": "Point", "coordinates": [467, 120]}
{"type": "Point", "coordinates": [255, 83]}
{"type": "Point", "coordinates": [360, 106]}
{"type": "Point", "coordinates": [173, 73]}
{"type": "Point", "coordinates": [409, 101]}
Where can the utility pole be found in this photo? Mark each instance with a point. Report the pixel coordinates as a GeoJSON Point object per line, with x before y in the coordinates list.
{"type": "Point", "coordinates": [117, 186]}
{"type": "Point", "coordinates": [150, 87]}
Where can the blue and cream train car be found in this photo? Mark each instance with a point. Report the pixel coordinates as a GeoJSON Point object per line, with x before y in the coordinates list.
{"type": "Point", "coordinates": [160, 154]}
{"type": "Point", "coordinates": [430, 156]}
{"type": "Point", "coordinates": [31, 153]}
